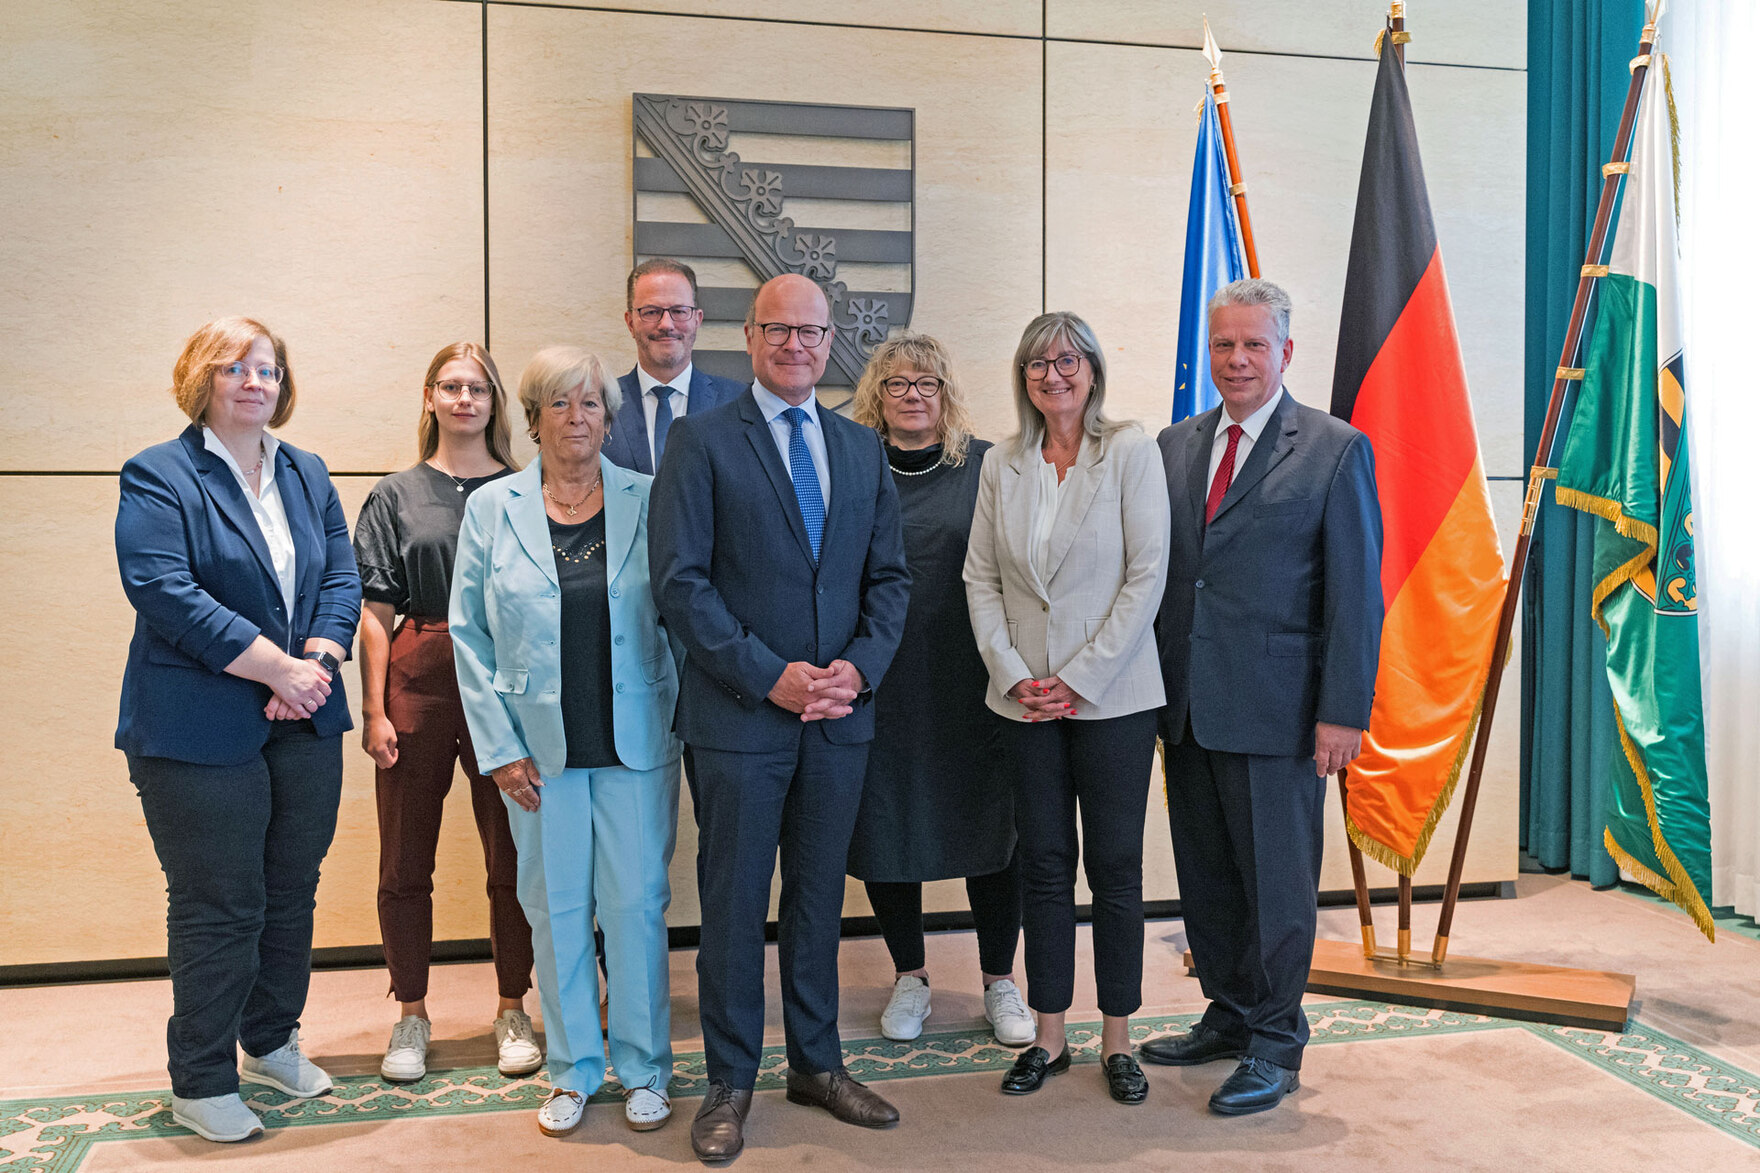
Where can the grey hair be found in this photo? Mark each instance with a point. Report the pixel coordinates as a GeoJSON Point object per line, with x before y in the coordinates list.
{"type": "Point", "coordinates": [1254, 291]}
{"type": "Point", "coordinates": [1061, 329]}
{"type": "Point", "coordinates": [557, 370]}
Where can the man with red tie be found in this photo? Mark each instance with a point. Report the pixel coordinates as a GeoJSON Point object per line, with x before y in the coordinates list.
{"type": "Point", "coordinates": [1269, 634]}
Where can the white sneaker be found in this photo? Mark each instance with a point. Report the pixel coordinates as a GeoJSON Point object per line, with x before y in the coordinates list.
{"type": "Point", "coordinates": [406, 1058]}
{"type": "Point", "coordinates": [1008, 1014]}
{"type": "Point", "coordinates": [517, 1044]}
{"type": "Point", "coordinates": [286, 1070]}
{"type": "Point", "coordinates": [561, 1113]}
{"type": "Point", "coordinates": [217, 1118]}
{"type": "Point", "coordinates": [905, 1011]}
{"type": "Point", "coordinates": [645, 1108]}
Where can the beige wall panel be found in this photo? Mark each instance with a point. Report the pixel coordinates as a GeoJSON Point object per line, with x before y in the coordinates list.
{"type": "Point", "coordinates": [1120, 137]}
{"type": "Point", "coordinates": [560, 175]}
{"type": "Point", "coordinates": [1014, 17]}
{"type": "Point", "coordinates": [317, 165]}
{"type": "Point", "coordinates": [1484, 32]}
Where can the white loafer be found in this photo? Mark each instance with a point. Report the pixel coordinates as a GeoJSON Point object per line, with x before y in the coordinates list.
{"type": "Point", "coordinates": [516, 1044]}
{"type": "Point", "coordinates": [645, 1108]}
{"type": "Point", "coordinates": [222, 1119]}
{"type": "Point", "coordinates": [286, 1070]}
{"type": "Point", "coordinates": [406, 1058]}
{"type": "Point", "coordinates": [1009, 1017]}
{"type": "Point", "coordinates": [902, 1020]}
{"type": "Point", "coordinates": [561, 1113]}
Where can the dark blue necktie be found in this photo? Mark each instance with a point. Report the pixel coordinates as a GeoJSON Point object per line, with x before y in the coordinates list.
{"type": "Point", "coordinates": [806, 479]}
{"type": "Point", "coordinates": [662, 420]}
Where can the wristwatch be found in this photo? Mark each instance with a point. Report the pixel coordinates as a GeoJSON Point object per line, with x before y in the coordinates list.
{"type": "Point", "coordinates": [325, 661]}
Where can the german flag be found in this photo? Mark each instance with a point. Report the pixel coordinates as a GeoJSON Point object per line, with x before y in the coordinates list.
{"type": "Point", "coordinates": [1399, 379]}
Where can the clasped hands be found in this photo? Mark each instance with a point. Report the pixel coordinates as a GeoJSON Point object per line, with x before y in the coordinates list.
{"type": "Point", "coordinates": [303, 686]}
{"type": "Point", "coordinates": [1045, 700]}
{"type": "Point", "coordinates": [817, 694]}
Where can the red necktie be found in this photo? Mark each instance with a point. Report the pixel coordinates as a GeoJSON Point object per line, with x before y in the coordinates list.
{"type": "Point", "coordinates": [1224, 475]}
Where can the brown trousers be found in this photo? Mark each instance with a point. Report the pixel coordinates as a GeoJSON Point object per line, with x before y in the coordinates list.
{"type": "Point", "coordinates": [422, 702]}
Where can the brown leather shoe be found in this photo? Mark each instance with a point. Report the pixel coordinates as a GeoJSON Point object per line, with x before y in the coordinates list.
{"type": "Point", "coordinates": [719, 1131]}
{"type": "Point", "coordinates": [843, 1097]}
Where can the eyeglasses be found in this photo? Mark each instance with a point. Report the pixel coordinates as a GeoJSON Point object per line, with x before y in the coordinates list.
{"type": "Point", "coordinates": [777, 334]}
{"type": "Point", "coordinates": [650, 314]}
{"type": "Point", "coordinates": [928, 386]}
{"type": "Point", "coordinates": [1066, 364]}
{"type": "Point", "coordinates": [450, 390]}
{"type": "Point", "coordinates": [239, 371]}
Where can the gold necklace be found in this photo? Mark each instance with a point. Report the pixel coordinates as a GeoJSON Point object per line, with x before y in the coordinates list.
{"type": "Point", "coordinates": [575, 508]}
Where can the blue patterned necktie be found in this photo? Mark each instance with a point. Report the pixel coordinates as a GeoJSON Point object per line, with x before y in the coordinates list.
{"type": "Point", "coordinates": [806, 479]}
{"type": "Point", "coordinates": [662, 420]}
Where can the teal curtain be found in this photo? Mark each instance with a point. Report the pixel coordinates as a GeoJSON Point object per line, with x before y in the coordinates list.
{"type": "Point", "coordinates": [1578, 51]}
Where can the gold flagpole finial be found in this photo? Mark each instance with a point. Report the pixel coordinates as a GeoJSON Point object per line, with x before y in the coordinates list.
{"type": "Point", "coordinates": [1212, 54]}
{"type": "Point", "coordinates": [1397, 9]}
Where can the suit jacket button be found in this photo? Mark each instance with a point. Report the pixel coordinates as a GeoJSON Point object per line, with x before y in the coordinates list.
{"type": "Point", "coordinates": [1199, 584]}
{"type": "Point", "coordinates": [618, 640]}
{"type": "Point", "coordinates": [614, 592]}
{"type": "Point", "coordinates": [620, 688]}
{"type": "Point", "coordinates": [1044, 606]}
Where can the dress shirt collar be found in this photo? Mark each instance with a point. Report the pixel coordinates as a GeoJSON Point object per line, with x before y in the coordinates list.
{"type": "Point", "coordinates": [773, 405]}
{"type": "Point", "coordinates": [1255, 423]}
{"type": "Point", "coordinates": [648, 382]}
{"type": "Point", "coordinates": [270, 446]}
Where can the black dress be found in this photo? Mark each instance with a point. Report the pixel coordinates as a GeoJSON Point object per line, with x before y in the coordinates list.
{"type": "Point", "coordinates": [935, 805]}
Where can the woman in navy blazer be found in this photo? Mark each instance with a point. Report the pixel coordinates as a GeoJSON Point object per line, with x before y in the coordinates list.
{"type": "Point", "coordinates": [234, 552]}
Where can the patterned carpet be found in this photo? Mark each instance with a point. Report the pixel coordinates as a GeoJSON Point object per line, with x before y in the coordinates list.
{"type": "Point", "coordinates": [57, 1134]}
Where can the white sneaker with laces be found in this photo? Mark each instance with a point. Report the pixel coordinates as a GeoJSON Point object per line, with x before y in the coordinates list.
{"type": "Point", "coordinates": [902, 1020]}
{"type": "Point", "coordinates": [1008, 1014]}
{"type": "Point", "coordinates": [561, 1113]}
{"type": "Point", "coordinates": [516, 1044]}
{"type": "Point", "coordinates": [222, 1119]}
{"type": "Point", "coordinates": [645, 1108]}
{"type": "Point", "coordinates": [286, 1070]}
{"type": "Point", "coordinates": [406, 1058]}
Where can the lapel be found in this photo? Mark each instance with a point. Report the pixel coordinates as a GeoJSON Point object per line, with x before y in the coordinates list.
{"type": "Point", "coordinates": [1080, 485]}
{"type": "Point", "coordinates": [298, 502]}
{"type": "Point", "coordinates": [623, 507]}
{"type": "Point", "coordinates": [840, 460]}
{"type": "Point", "coordinates": [701, 395]}
{"type": "Point", "coordinates": [525, 514]}
{"type": "Point", "coordinates": [1019, 492]}
{"type": "Point", "coordinates": [228, 497]}
{"type": "Point", "coordinates": [1274, 443]}
{"type": "Point", "coordinates": [764, 445]}
{"type": "Point", "coordinates": [634, 433]}
{"type": "Point", "coordinates": [1198, 466]}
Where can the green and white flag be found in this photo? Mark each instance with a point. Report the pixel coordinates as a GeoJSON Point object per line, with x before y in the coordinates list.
{"type": "Point", "coordinates": [1625, 461]}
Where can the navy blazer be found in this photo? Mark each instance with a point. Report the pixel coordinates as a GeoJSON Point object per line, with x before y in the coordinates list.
{"type": "Point", "coordinates": [196, 569]}
{"type": "Point", "coordinates": [627, 444]}
{"type": "Point", "coordinates": [735, 580]}
{"type": "Point", "coordinates": [1272, 616]}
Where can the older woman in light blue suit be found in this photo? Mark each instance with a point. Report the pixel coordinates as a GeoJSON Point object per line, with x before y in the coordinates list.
{"type": "Point", "coordinates": [569, 688]}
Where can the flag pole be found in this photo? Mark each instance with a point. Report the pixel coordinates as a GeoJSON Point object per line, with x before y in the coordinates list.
{"type": "Point", "coordinates": [1592, 269]}
{"type": "Point", "coordinates": [1236, 187]}
{"type": "Point", "coordinates": [1396, 29]}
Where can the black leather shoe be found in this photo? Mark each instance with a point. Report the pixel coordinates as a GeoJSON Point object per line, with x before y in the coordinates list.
{"type": "Point", "coordinates": [1032, 1069]}
{"type": "Point", "coordinates": [1256, 1085]}
{"type": "Point", "coordinates": [1125, 1080]}
{"type": "Point", "coordinates": [1199, 1045]}
{"type": "Point", "coordinates": [719, 1131]}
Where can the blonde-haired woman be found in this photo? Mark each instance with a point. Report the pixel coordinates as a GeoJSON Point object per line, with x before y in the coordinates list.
{"type": "Point", "coordinates": [569, 688]}
{"type": "Point", "coordinates": [413, 724]}
{"type": "Point", "coordinates": [1064, 575]}
{"type": "Point", "coordinates": [234, 553]}
{"type": "Point", "coordinates": [935, 805]}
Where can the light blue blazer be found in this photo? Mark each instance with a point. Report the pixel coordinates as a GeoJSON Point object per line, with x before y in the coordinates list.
{"type": "Point", "coordinates": [506, 621]}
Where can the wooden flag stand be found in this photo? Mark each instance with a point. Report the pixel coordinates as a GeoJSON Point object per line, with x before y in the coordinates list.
{"type": "Point", "coordinates": [1513, 989]}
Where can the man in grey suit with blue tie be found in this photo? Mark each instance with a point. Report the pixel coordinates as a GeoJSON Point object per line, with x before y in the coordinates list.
{"type": "Point", "coordinates": [663, 316]}
{"type": "Point", "coordinates": [1269, 634]}
{"type": "Point", "coordinates": [778, 562]}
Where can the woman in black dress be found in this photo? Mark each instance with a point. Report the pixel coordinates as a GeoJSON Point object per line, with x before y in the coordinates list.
{"type": "Point", "coordinates": [934, 806]}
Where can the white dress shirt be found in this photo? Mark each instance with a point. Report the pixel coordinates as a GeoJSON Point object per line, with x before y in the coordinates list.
{"type": "Point", "coordinates": [772, 406]}
{"type": "Point", "coordinates": [680, 400]}
{"type": "Point", "coordinates": [1045, 503]}
{"type": "Point", "coordinates": [266, 507]}
{"type": "Point", "coordinates": [1250, 429]}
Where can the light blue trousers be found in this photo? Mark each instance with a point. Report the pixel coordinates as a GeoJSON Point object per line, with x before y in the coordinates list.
{"type": "Point", "coordinates": [598, 846]}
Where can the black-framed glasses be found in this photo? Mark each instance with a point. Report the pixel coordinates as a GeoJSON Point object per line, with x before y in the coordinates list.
{"type": "Point", "coordinates": [650, 314]}
{"type": "Point", "coordinates": [479, 392]}
{"type": "Point", "coordinates": [239, 371]}
{"type": "Point", "coordinates": [928, 386]}
{"type": "Point", "coordinates": [777, 333]}
{"type": "Point", "coordinates": [1066, 364]}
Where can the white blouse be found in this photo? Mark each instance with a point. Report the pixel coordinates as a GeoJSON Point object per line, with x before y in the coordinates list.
{"type": "Point", "coordinates": [266, 506]}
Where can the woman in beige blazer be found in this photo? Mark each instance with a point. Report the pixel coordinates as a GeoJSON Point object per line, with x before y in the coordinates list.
{"type": "Point", "coordinates": [1063, 573]}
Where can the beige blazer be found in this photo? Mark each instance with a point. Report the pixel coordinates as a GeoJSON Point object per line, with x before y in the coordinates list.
{"type": "Point", "coordinates": [1092, 623]}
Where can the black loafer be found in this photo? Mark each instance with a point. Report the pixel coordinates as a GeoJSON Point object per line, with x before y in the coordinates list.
{"type": "Point", "coordinates": [1257, 1085]}
{"type": "Point", "coordinates": [1125, 1080]}
{"type": "Point", "coordinates": [1032, 1069]}
{"type": "Point", "coordinates": [1199, 1045]}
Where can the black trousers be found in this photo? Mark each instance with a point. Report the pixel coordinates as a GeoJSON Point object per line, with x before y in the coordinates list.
{"type": "Point", "coordinates": [1247, 836]}
{"type": "Point", "coordinates": [996, 914]}
{"type": "Point", "coordinates": [240, 846]}
{"type": "Point", "coordinates": [1098, 770]}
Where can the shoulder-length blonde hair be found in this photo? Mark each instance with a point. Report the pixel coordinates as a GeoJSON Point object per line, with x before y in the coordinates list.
{"type": "Point", "coordinates": [915, 352]}
{"type": "Point", "coordinates": [1064, 330]}
{"type": "Point", "coordinates": [498, 435]}
{"type": "Point", "coordinates": [222, 341]}
{"type": "Point", "coordinates": [554, 371]}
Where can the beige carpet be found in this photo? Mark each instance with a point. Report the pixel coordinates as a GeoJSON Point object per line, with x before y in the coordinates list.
{"type": "Point", "coordinates": [82, 1078]}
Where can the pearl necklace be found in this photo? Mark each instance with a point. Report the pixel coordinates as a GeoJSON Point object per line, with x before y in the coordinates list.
{"type": "Point", "coordinates": [921, 472]}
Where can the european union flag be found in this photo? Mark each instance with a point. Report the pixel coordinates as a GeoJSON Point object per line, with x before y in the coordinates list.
{"type": "Point", "coordinates": [1213, 259]}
